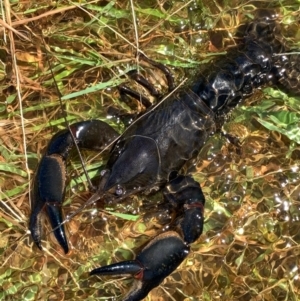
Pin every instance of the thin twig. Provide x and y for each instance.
(136, 33)
(7, 26)
(49, 13)
(18, 88)
(44, 15)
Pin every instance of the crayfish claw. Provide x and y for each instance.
(48, 195)
(54, 213)
(131, 267)
(49, 186)
(156, 261)
(35, 226)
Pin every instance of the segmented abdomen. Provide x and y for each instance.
(253, 64)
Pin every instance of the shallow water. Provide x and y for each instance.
(250, 246)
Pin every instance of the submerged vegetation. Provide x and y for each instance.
(250, 246)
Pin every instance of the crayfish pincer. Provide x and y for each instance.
(162, 141)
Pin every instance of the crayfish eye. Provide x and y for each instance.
(119, 190)
(103, 172)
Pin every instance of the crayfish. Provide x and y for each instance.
(151, 152)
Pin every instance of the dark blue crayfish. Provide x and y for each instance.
(152, 151)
